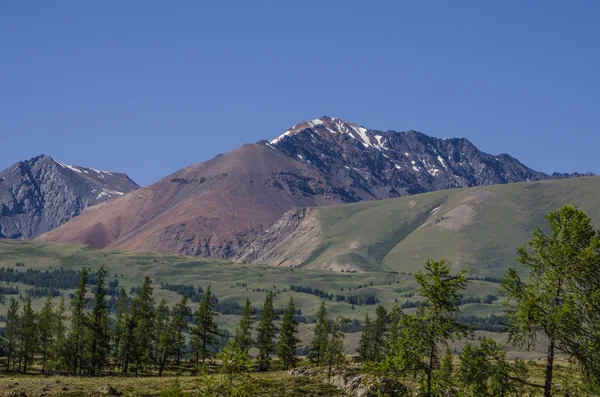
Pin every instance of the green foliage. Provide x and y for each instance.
(205, 333)
(561, 298)
(288, 341)
(12, 332)
(75, 341)
(98, 332)
(418, 337)
(235, 363)
(138, 336)
(318, 344)
(243, 332)
(334, 351)
(174, 391)
(47, 333)
(265, 340)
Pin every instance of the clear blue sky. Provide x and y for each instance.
(148, 87)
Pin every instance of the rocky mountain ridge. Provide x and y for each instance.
(218, 208)
(40, 194)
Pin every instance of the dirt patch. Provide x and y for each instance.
(284, 243)
(457, 218)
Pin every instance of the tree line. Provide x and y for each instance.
(142, 337)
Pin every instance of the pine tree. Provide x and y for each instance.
(234, 362)
(394, 329)
(318, 344)
(419, 336)
(47, 332)
(28, 334)
(205, 333)
(98, 332)
(334, 351)
(365, 344)
(243, 332)
(181, 312)
(288, 341)
(438, 317)
(119, 329)
(78, 324)
(380, 327)
(61, 356)
(265, 340)
(165, 335)
(141, 323)
(12, 331)
(561, 297)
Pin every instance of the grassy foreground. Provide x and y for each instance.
(275, 383)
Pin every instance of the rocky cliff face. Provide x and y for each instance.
(384, 164)
(41, 194)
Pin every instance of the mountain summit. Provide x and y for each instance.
(218, 207)
(40, 194)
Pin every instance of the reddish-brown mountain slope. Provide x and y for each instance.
(208, 209)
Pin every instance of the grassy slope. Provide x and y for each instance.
(132, 266)
(400, 234)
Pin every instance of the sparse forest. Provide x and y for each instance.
(101, 330)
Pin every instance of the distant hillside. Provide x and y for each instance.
(479, 227)
(219, 207)
(41, 194)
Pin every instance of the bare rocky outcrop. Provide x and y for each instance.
(109, 391)
(355, 384)
(284, 243)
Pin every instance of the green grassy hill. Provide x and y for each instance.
(479, 228)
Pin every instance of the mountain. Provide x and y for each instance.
(479, 228)
(217, 208)
(41, 194)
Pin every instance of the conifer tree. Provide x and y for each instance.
(205, 333)
(61, 353)
(181, 313)
(141, 323)
(98, 332)
(318, 344)
(12, 332)
(235, 362)
(243, 332)
(365, 344)
(334, 351)
(119, 329)
(288, 341)
(28, 334)
(47, 333)
(165, 335)
(378, 335)
(394, 329)
(265, 340)
(561, 297)
(78, 324)
(416, 350)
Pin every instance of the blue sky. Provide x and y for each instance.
(148, 87)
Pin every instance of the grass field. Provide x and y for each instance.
(226, 280)
(275, 383)
(479, 228)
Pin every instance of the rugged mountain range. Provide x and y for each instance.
(218, 208)
(41, 194)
